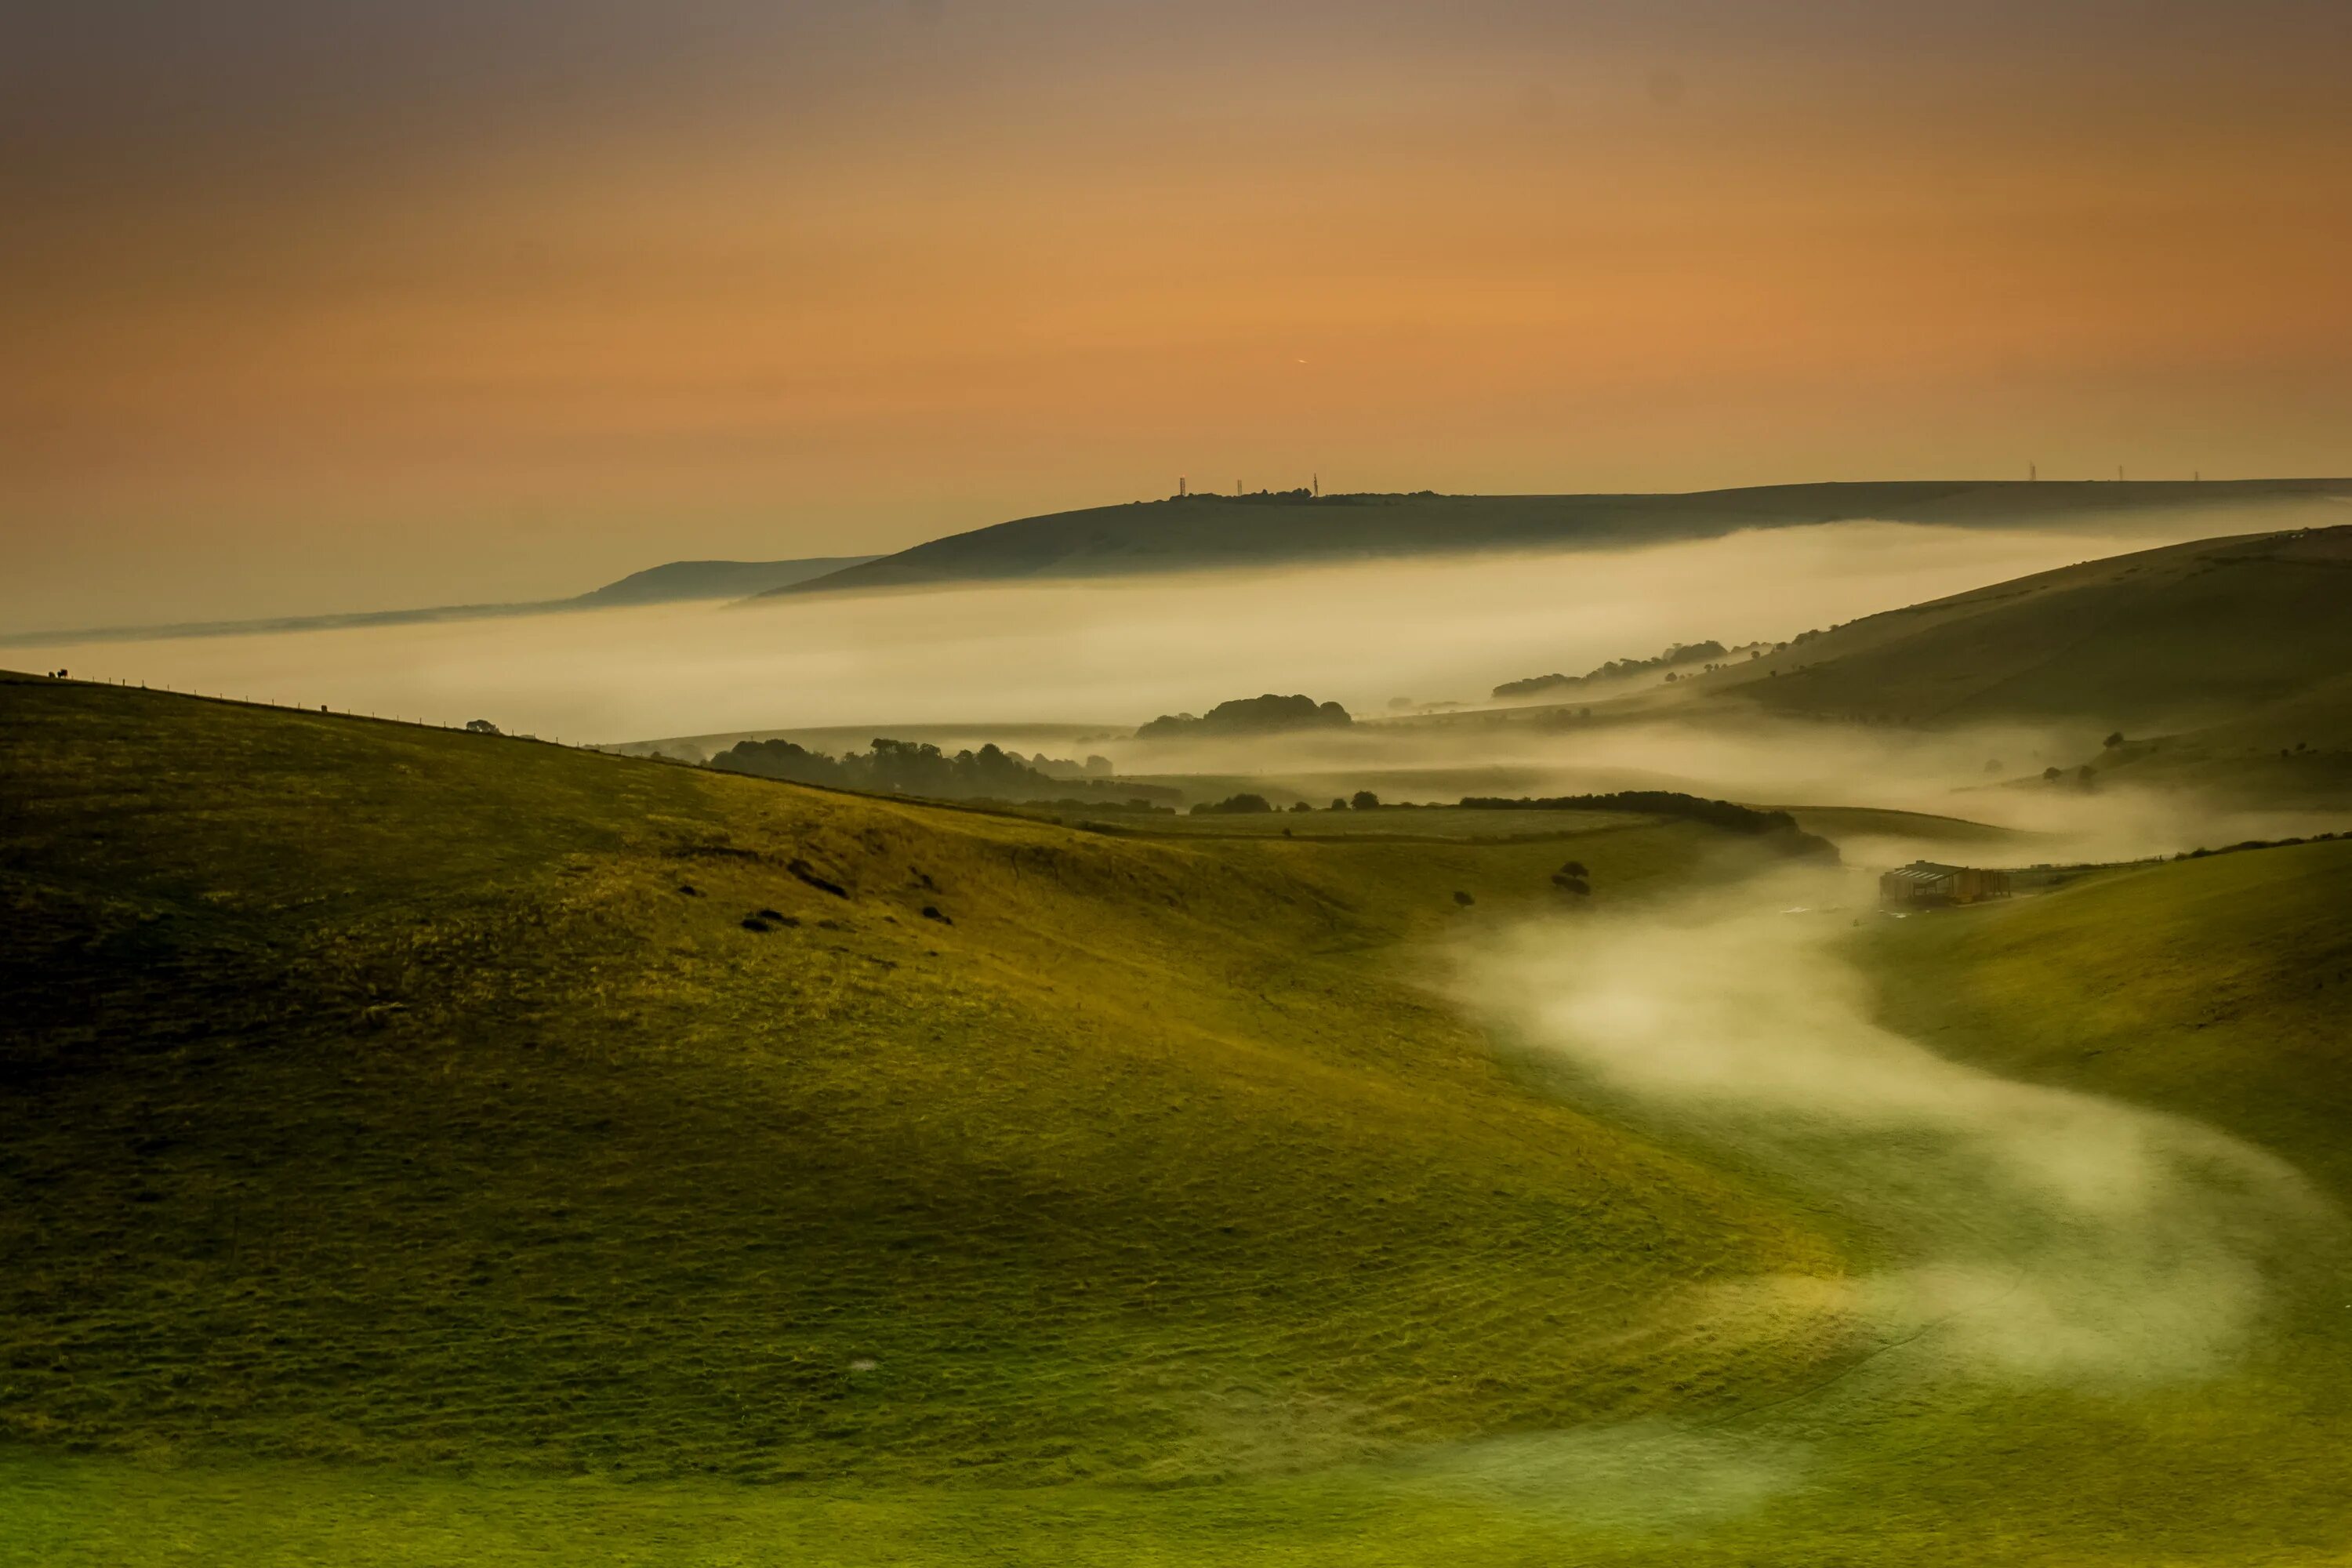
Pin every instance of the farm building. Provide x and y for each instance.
(1923, 884)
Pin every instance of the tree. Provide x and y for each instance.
(2114, 740)
(1233, 804)
(1364, 800)
(481, 727)
(1302, 805)
(1342, 805)
(2050, 775)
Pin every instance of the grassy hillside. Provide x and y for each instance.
(2219, 632)
(2218, 988)
(401, 1165)
(1211, 530)
(387, 1096)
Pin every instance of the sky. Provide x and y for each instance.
(317, 306)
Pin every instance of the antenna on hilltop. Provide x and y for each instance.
(2032, 472)
(1318, 487)
(1179, 486)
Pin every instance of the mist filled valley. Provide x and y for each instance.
(1424, 655)
(1330, 785)
(1099, 654)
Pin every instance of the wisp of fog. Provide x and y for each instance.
(2035, 1236)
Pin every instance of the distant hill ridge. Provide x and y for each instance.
(675, 581)
(1197, 532)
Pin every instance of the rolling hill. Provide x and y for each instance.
(661, 1123)
(2223, 668)
(2185, 637)
(419, 1147)
(1203, 531)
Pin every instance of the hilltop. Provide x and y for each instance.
(1200, 532)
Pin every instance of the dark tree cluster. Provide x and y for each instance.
(1233, 805)
(1721, 814)
(1264, 715)
(1654, 801)
(1616, 669)
(911, 767)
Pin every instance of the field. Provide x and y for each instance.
(1412, 823)
(421, 1148)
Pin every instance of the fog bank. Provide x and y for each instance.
(1108, 652)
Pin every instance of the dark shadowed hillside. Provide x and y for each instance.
(2218, 632)
(1203, 531)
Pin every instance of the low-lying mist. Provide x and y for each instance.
(2037, 1232)
(2024, 1237)
(1989, 774)
(1106, 652)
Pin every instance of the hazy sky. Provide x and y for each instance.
(318, 306)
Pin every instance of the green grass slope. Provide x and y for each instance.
(379, 1096)
(2213, 633)
(400, 1166)
(1209, 531)
(2217, 989)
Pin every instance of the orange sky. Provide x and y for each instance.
(442, 301)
